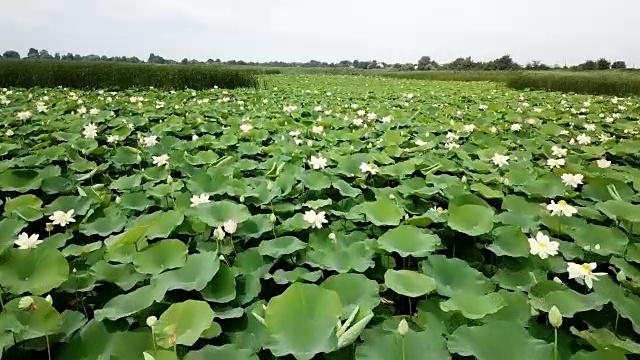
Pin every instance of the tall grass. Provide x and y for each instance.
(598, 83)
(109, 75)
(444, 75)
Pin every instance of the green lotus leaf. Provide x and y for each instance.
(183, 323)
(409, 283)
(20, 180)
(282, 277)
(474, 306)
(345, 253)
(603, 339)
(602, 240)
(498, 341)
(34, 271)
(130, 303)
(453, 275)
(470, 216)
(215, 214)
(620, 210)
(280, 246)
(222, 288)
(408, 240)
(379, 345)
(160, 256)
(509, 241)
(27, 207)
(195, 274)
(9, 229)
(355, 291)
(382, 212)
(302, 321)
(227, 352)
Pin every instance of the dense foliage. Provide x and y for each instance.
(106, 75)
(606, 83)
(326, 217)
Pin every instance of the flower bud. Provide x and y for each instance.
(621, 276)
(49, 299)
(272, 217)
(555, 317)
(403, 327)
(169, 179)
(230, 226)
(25, 303)
(152, 321)
(218, 233)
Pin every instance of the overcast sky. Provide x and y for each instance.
(554, 31)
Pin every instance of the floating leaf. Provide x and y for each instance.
(382, 212)
(408, 240)
(183, 323)
(409, 283)
(34, 271)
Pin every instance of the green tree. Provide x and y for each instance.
(603, 64)
(619, 65)
(11, 54)
(33, 54)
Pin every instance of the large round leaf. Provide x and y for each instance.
(302, 321)
(354, 290)
(160, 256)
(471, 219)
(183, 323)
(453, 275)
(217, 213)
(280, 246)
(379, 345)
(226, 352)
(20, 180)
(34, 271)
(222, 288)
(408, 240)
(409, 283)
(474, 306)
(382, 212)
(498, 341)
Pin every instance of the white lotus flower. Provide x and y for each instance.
(530, 121)
(218, 233)
(197, 200)
(24, 115)
(558, 151)
(451, 145)
(561, 208)
(162, 160)
(82, 110)
(386, 119)
(316, 220)
(246, 127)
(555, 163)
(358, 122)
(572, 180)
(603, 163)
(493, 129)
(90, 131)
(420, 142)
(369, 168)
(42, 108)
(94, 111)
(500, 160)
(113, 138)
(583, 273)
(26, 241)
(9, 133)
(149, 141)
(563, 132)
(483, 107)
(317, 162)
(542, 246)
(294, 133)
(317, 129)
(317, 108)
(469, 128)
(159, 104)
(230, 226)
(583, 139)
(361, 112)
(298, 141)
(26, 302)
(62, 218)
(590, 127)
(451, 136)
(372, 116)
(194, 137)
(516, 127)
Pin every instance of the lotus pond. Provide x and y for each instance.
(325, 217)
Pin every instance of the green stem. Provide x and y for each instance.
(48, 346)
(555, 344)
(559, 225)
(155, 346)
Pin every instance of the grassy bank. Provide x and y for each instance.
(109, 75)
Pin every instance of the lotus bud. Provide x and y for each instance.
(332, 237)
(152, 321)
(557, 279)
(230, 226)
(242, 198)
(621, 276)
(270, 186)
(555, 317)
(463, 179)
(403, 327)
(49, 299)
(272, 217)
(48, 227)
(392, 197)
(169, 179)
(118, 199)
(218, 233)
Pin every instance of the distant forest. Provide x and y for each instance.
(424, 63)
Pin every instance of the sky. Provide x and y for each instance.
(552, 31)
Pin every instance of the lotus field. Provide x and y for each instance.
(324, 217)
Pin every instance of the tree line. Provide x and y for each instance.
(424, 63)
